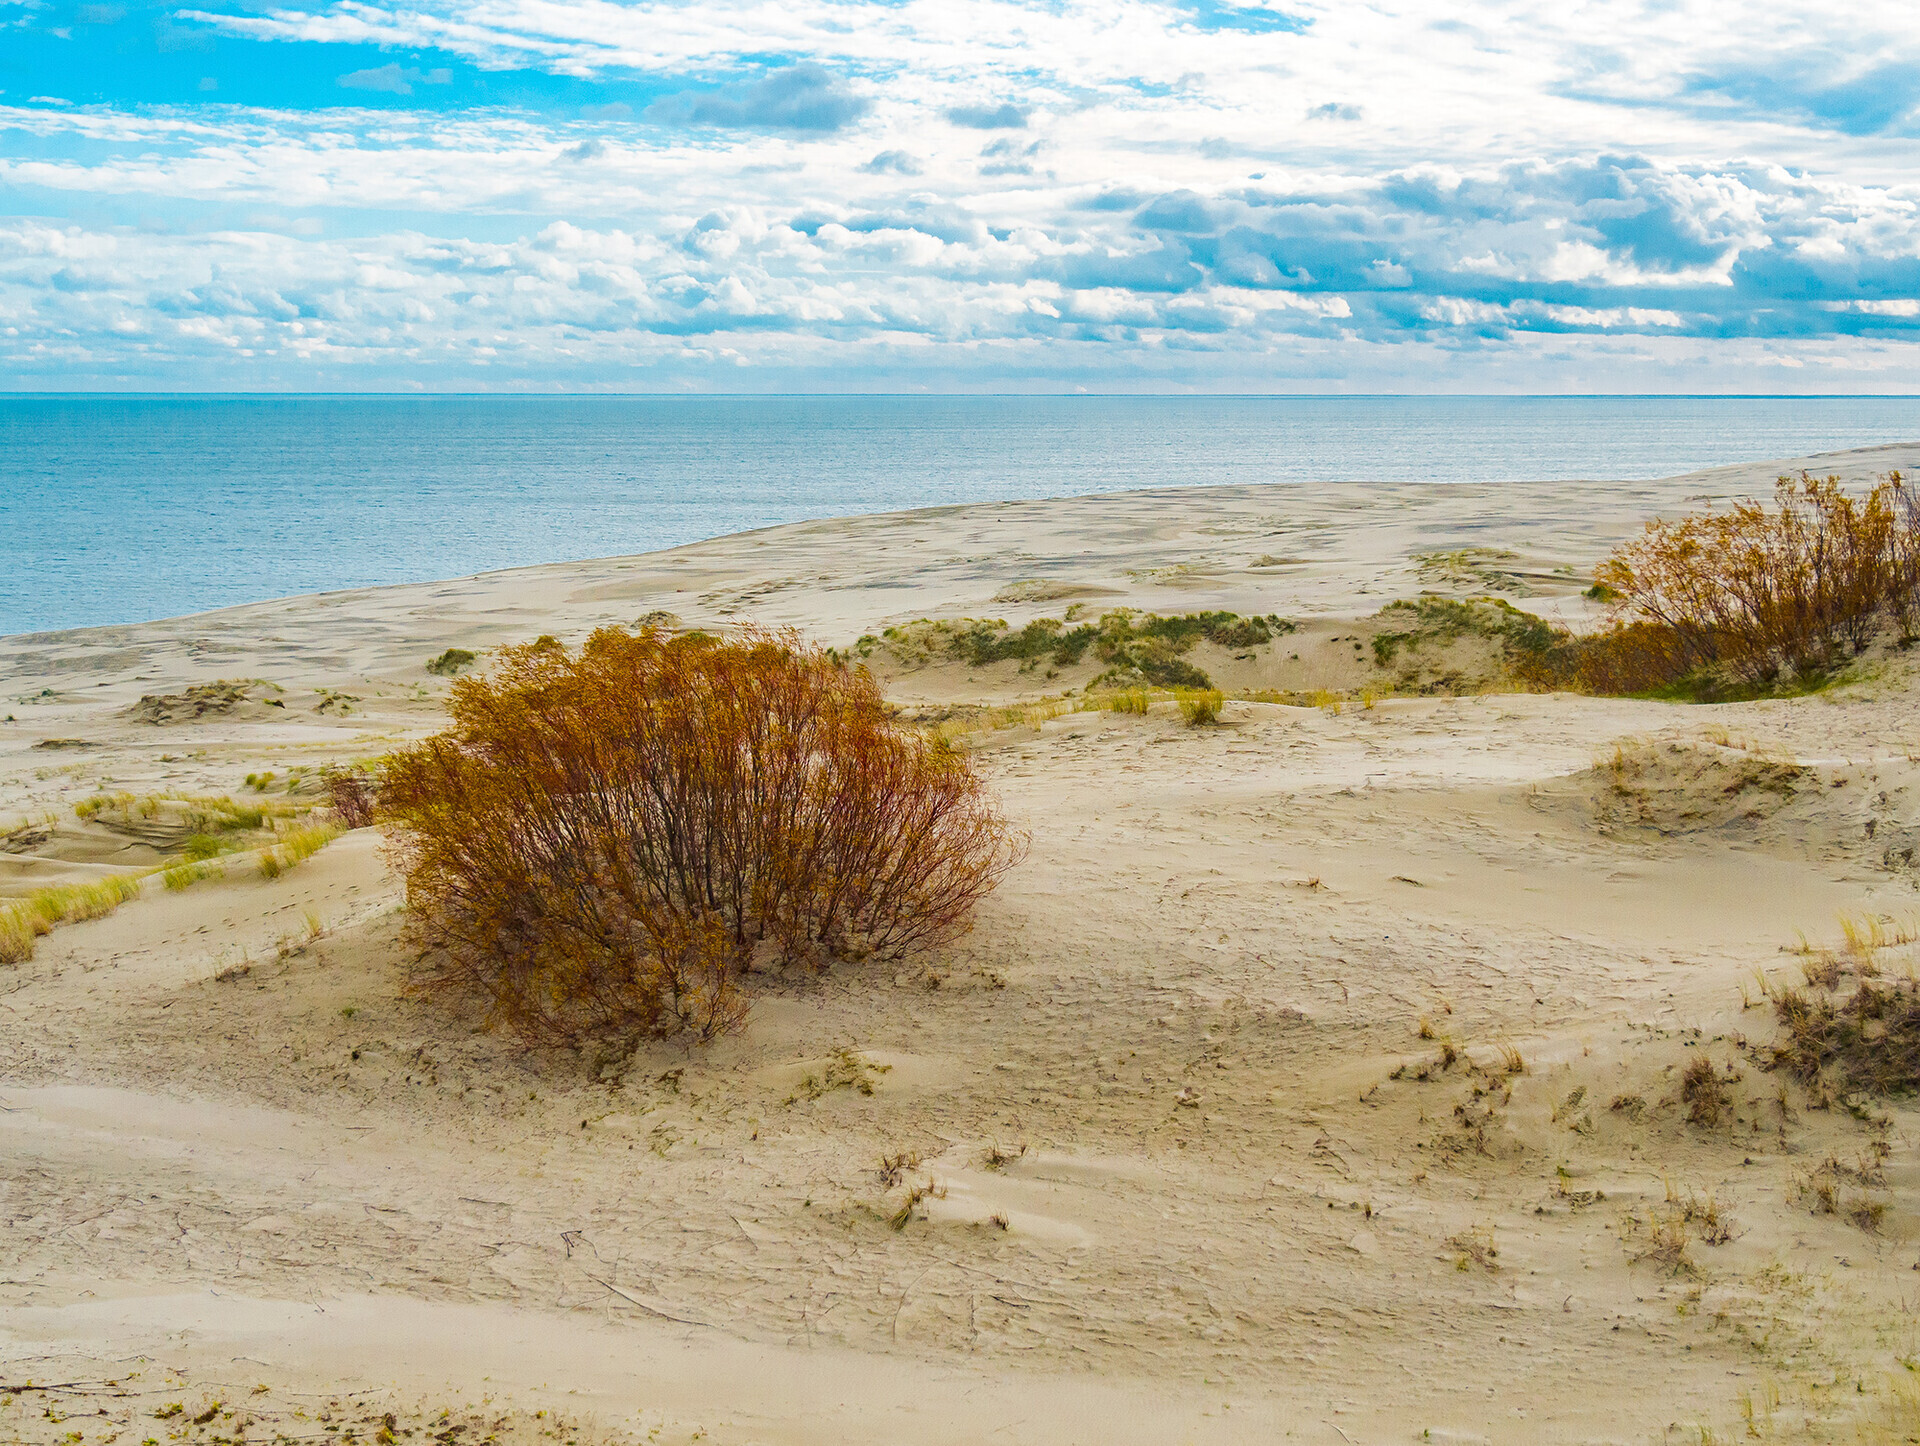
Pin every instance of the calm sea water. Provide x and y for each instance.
(122, 509)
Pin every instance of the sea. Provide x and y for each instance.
(120, 509)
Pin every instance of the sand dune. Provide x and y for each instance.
(1200, 1168)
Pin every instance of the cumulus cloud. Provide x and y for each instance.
(800, 98)
(897, 163)
(1005, 116)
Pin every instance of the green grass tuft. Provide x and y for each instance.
(295, 847)
(22, 921)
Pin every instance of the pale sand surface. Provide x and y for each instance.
(231, 1156)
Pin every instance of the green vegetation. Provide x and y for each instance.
(1202, 707)
(294, 847)
(22, 921)
(1431, 619)
(204, 814)
(185, 875)
(1136, 647)
(452, 661)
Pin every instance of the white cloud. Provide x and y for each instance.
(1008, 183)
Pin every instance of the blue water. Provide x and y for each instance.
(118, 509)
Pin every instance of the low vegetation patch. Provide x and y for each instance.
(23, 921)
(453, 661)
(1866, 1042)
(1526, 642)
(295, 847)
(1137, 647)
(605, 841)
(202, 700)
(202, 814)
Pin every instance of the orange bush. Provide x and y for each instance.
(1759, 591)
(603, 841)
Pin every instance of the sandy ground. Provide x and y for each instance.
(1194, 1166)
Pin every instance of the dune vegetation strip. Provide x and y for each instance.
(24, 921)
(1137, 647)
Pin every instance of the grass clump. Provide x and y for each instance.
(607, 839)
(295, 847)
(185, 875)
(23, 921)
(1202, 708)
(453, 661)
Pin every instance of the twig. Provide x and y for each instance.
(642, 1305)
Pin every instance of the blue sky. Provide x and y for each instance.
(959, 195)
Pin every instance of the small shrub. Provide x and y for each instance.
(606, 839)
(1202, 708)
(351, 797)
(451, 662)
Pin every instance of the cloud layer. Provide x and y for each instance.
(977, 194)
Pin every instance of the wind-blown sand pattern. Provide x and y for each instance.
(1199, 1169)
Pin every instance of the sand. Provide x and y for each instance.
(1197, 1170)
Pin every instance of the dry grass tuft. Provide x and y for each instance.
(1666, 1236)
(1705, 1215)
(606, 840)
(1869, 1042)
(1475, 1246)
(1705, 1094)
(1826, 1190)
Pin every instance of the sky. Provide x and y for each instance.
(960, 195)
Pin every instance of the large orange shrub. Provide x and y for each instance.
(1758, 592)
(604, 840)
